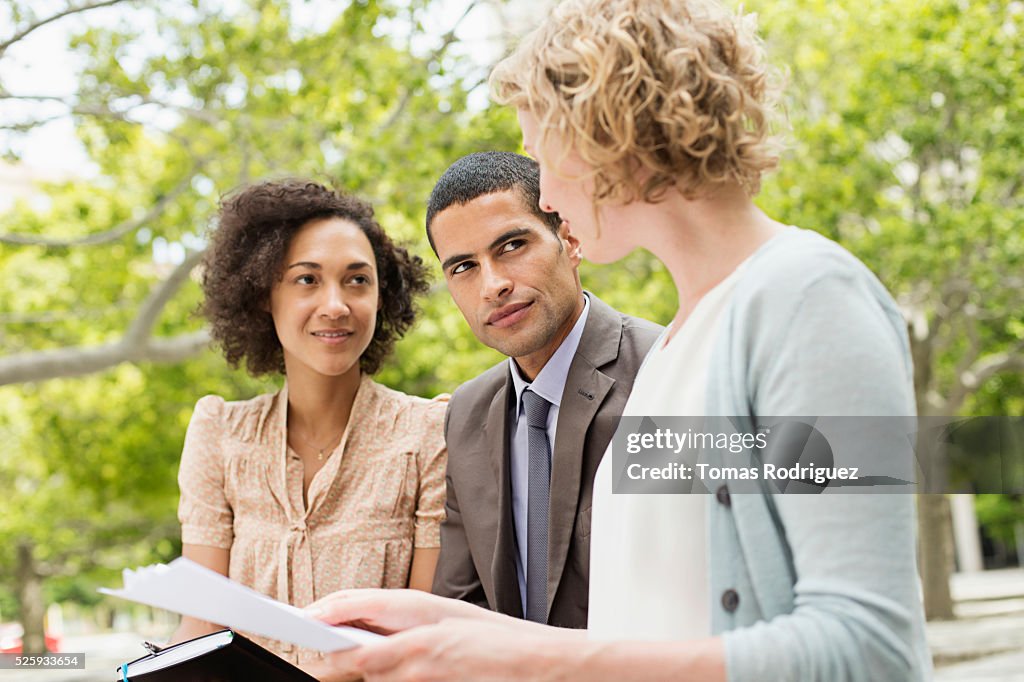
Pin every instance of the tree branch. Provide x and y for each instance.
(105, 111)
(68, 362)
(973, 352)
(137, 345)
(142, 326)
(199, 114)
(60, 15)
(446, 40)
(52, 316)
(113, 233)
(996, 363)
(26, 126)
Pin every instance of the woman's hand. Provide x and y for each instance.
(389, 611)
(437, 638)
(467, 649)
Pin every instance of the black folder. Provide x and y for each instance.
(223, 656)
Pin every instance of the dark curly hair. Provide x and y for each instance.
(255, 226)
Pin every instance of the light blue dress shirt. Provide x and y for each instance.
(549, 384)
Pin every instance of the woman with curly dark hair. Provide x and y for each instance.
(335, 481)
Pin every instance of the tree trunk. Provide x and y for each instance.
(936, 555)
(29, 590)
(935, 529)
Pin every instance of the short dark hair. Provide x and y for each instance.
(246, 254)
(475, 175)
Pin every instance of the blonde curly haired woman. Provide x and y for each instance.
(650, 121)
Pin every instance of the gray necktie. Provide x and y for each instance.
(537, 507)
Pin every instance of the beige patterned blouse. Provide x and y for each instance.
(379, 494)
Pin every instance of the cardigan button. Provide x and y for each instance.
(722, 495)
(730, 600)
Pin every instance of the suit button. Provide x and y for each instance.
(722, 495)
(730, 600)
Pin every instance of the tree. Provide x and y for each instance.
(216, 108)
(88, 475)
(904, 151)
(175, 105)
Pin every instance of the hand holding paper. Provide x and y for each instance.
(187, 588)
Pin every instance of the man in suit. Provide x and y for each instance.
(525, 437)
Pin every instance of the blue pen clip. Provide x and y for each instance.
(124, 672)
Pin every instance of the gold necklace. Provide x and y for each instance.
(320, 450)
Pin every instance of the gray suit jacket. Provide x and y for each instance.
(478, 551)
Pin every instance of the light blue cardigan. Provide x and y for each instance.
(828, 587)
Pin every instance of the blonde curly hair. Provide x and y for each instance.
(677, 88)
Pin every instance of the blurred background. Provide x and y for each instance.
(123, 121)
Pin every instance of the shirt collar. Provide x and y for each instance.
(550, 381)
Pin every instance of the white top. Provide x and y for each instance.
(648, 553)
(548, 384)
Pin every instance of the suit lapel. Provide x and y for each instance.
(585, 391)
(583, 396)
(503, 569)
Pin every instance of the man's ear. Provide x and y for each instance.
(572, 244)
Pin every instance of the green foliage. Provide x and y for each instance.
(1002, 516)
(189, 102)
(89, 473)
(902, 150)
(904, 145)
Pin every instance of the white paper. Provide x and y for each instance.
(187, 588)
